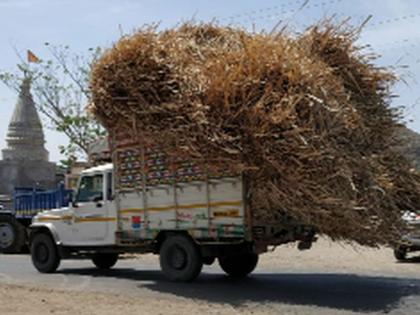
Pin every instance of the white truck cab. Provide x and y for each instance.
(91, 218)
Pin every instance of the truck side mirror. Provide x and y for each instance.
(97, 197)
(73, 201)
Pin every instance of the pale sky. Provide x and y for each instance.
(393, 32)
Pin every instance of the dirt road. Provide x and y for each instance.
(331, 278)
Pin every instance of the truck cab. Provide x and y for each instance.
(91, 217)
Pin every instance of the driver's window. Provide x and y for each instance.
(91, 188)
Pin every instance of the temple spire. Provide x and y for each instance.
(25, 137)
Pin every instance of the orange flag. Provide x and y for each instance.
(32, 57)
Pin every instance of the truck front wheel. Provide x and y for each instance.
(239, 266)
(12, 235)
(105, 260)
(44, 253)
(400, 253)
(180, 259)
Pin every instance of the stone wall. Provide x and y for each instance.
(26, 174)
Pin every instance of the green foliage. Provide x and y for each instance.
(60, 90)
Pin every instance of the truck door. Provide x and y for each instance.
(91, 213)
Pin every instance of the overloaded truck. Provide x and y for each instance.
(147, 202)
(25, 204)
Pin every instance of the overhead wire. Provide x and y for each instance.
(276, 11)
(259, 11)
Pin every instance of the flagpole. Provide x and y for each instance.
(31, 58)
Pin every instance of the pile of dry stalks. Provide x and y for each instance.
(306, 117)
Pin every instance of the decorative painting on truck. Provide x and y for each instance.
(160, 192)
(212, 209)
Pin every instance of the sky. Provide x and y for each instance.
(393, 32)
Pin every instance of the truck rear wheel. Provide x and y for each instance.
(12, 235)
(105, 260)
(239, 266)
(180, 259)
(44, 253)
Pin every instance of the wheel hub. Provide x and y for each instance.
(42, 253)
(178, 258)
(7, 235)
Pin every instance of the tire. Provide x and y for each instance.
(12, 235)
(239, 266)
(105, 261)
(180, 259)
(44, 253)
(400, 253)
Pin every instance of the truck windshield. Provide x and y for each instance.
(90, 188)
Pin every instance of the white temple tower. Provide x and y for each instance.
(25, 160)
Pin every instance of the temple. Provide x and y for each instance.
(25, 160)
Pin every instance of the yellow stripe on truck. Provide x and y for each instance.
(190, 206)
(228, 213)
(76, 220)
(49, 218)
(98, 219)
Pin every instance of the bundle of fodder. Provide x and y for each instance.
(307, 118)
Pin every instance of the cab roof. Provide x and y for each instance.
(98, 169)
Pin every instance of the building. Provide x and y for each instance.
(99, 153)
(25, 160)
(73, 174)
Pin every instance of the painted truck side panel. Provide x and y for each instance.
(211, 209)
(193, 211)
(160, 208)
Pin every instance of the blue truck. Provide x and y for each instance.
(26, 203)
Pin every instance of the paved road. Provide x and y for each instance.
(333, 291)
